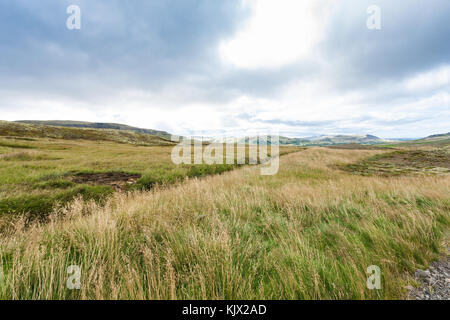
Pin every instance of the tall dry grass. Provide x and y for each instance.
(309, 232)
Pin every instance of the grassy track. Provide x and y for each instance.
(309, 232)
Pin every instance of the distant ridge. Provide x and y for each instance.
(443, 135)
(330, 140)
(96, 125)
(35, 130)
(345, 139)
(436, 139)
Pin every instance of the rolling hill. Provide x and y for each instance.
(438, 140)
(97, 125)
(445, 137)
(439, 136)
(19, 129)
(123, 133)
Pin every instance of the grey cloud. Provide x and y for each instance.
(145, 44)
(169, 48)
(413, 38)
(291, 123)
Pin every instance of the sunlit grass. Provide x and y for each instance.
(309, 232)
(36, 177)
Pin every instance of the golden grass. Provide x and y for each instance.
(44, 172)
(309, 232)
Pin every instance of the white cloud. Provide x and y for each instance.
(429, 80)
(301, 67)
(277, 34)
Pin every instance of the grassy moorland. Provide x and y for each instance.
(98, 125)
(42, 167)
(309, 232)
(27, 132)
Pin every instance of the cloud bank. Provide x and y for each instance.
(201, 67)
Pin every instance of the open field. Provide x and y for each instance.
(227, 155)
(38, 173)
(309, 232)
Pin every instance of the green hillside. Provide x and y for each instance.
(17, 129)
(97, 125)
(437, 140)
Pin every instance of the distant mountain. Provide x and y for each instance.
(97, 125)
(345, 139)
(115, 131)
(402, 139)
(254, 140)
(313, 141)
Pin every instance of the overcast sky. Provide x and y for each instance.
(235, 67)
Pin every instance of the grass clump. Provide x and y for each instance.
(26, 156)
(55, 184)
(15, 145)
(205, 170)
(38, 207)
(167, 177)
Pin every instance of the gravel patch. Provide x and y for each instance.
(435, 282)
